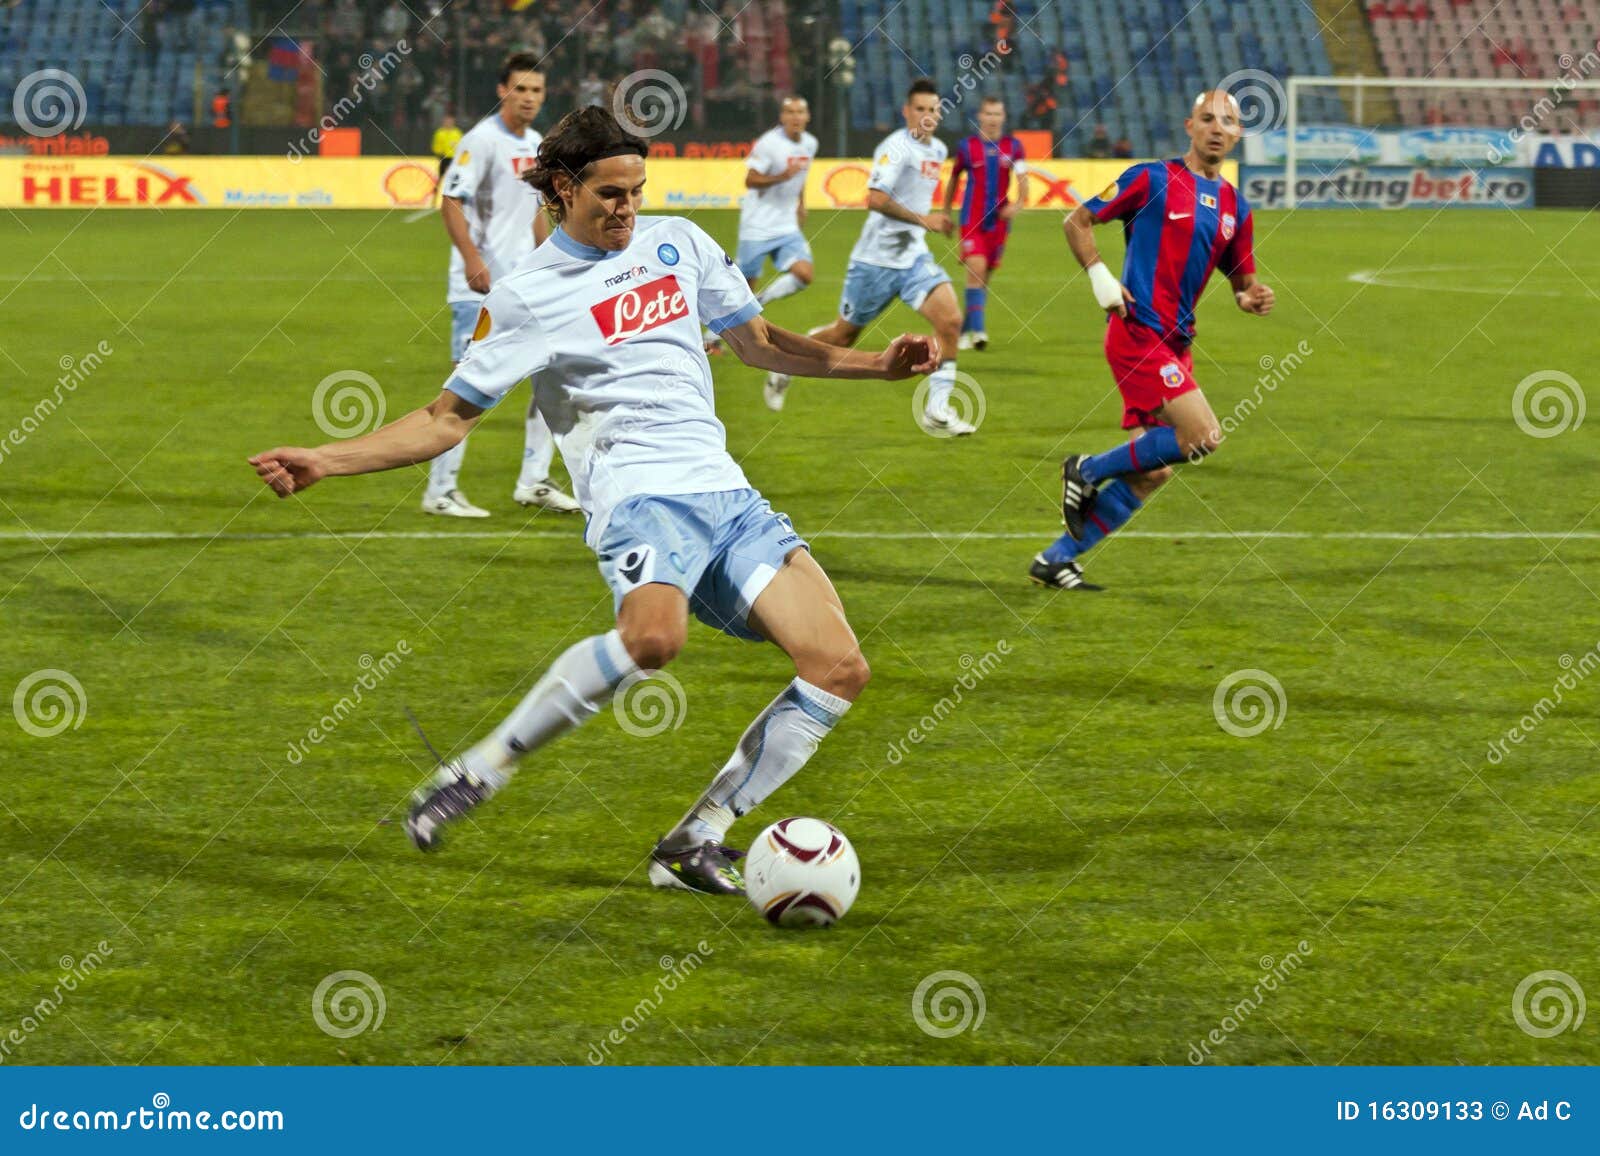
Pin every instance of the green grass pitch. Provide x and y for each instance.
(1126, 881)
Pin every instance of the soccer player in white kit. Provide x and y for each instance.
(772, 212)
(891, 257)
(605, 317)
(493, 219)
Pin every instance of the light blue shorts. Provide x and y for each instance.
(868, 289)
(784, 251)
(720, 549)
(463, 317)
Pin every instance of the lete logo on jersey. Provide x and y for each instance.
(660, 302)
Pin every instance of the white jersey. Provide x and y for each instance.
(486, 176)
(908, 170)
(771, 212)
(612, 344)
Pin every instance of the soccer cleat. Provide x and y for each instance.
(452, 504)
(545, 495)
(452, 794)
(1077, 495)
(708, 868)
(946, 423)
(980, 341)
(775, 390)
(964, 342)
(1061, 575)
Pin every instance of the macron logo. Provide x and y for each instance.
(629, 314)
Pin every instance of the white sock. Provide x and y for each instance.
(577, 685)
(538, 449)
(444, 469)
(940, 382)
(771, 750)
(785, 285)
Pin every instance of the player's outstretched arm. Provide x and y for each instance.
(763, 346)
(421, 435)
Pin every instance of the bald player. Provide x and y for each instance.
(1181, 220)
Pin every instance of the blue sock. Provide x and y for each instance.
(1151, 450)
(976, 300)
(1113, 506)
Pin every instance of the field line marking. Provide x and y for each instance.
(864, 535)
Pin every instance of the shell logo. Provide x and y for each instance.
(846, 186)
(408, 184)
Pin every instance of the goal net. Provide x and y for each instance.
(1407, 142)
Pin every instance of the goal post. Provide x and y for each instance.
(1552, 102)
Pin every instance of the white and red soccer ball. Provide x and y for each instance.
(802, 873)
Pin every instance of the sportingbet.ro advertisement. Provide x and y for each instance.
(1391, 187)
(676, 184)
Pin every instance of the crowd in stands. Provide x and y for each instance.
(737, 56)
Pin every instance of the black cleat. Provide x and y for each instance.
(1077, 495)
(452, 794)
(1061, 575)
(708, 868)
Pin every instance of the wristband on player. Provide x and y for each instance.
(1107, 289)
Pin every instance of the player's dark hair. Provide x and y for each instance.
(519, 62)
(921, 85)
(580, 138)
(992, 99)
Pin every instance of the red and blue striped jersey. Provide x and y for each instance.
(1179, 227)
(988, 165)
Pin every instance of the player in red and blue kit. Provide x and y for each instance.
(1181, 220)
(989, 158)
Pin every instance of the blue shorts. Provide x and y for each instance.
(463, 317)
(721, 549)
(868, 289)
(784, 251)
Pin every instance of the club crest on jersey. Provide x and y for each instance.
(481, 329)
(668, 254)
(1227, 226)
(1172, 375)
(1207, 200)
(649, 306)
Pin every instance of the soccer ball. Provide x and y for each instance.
(802, 873)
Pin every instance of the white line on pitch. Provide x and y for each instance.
(866, 535)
